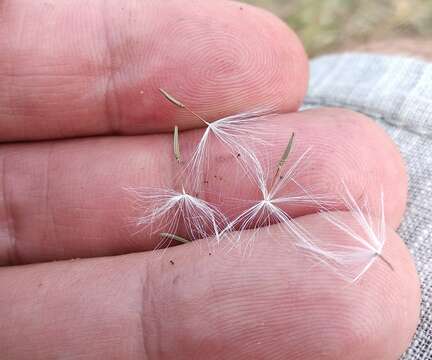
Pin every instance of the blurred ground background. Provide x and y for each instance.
(334, 25)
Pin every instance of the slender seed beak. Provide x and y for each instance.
(179, 104)
(174, 237)
(386, 261)
(177, 154)
(172, 99)
(283, 160)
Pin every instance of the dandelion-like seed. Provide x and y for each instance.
(234, 132)
(268, 209)
(168, 212)
(364, 236)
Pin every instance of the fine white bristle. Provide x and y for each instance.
(363, 234)
(268, 209)
(238, 134)
(167, 211)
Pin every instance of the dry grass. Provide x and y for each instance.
(326, 25)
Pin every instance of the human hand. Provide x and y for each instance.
(73, 75)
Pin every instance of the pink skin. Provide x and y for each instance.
(103, 78)
(273, 304)
(69, 201)
(72, 69)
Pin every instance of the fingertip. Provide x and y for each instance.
(223, 58)
(382, 150)
(376, 164)
(374, 317)
(277, 302)
(219, 57)
(385, 314)
(401, 292)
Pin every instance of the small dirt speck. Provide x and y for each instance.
(172, 262)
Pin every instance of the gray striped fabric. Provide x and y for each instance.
(397, 92)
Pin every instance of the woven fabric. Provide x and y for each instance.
(396, 92)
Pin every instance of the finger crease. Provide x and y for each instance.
(149, 330)
(112, 109)
(48, 207)
(12, 250)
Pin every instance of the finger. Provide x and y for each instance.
(275, 303)
(67, 199)
(104, 62)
